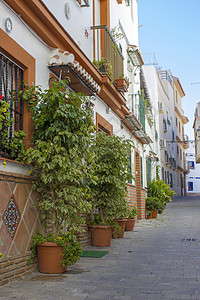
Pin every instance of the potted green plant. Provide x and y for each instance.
(108, 193)
(158, 188)
(152, 206)
(60, 157)
(122, 83)
(104, 66)
(130, 223)
(121, 220)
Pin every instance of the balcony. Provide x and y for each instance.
(137, 106)
(186, 167)
(135, 121)
(166, 158)
(106, 49)
(185, 142)
(173, 163)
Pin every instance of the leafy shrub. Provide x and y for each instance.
(111, 170)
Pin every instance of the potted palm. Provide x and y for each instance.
(130, 223)
(108, 193)
(59, 157)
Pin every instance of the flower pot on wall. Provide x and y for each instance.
(121, 84)
(101, 235)
(122, 224)
(130, 224)
(49, 258)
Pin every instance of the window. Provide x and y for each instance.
(163, 173)
(180, 154)
(190, 186)
(176, 97)
(173, 135)
(177, 150)
(11, 77)
(171, 180)
(141, 169)
(176, 122)
(179, 127)
(103, 125)
(164, 125)
(191, 164)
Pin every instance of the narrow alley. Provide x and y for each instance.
(159, 260)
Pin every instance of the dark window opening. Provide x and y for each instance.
(11, 78)
(190, 186)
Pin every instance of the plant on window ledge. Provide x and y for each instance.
(122, 83)
(104, 66)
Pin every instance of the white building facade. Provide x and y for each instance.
(193, 178)
(45, 40)
(167, 92)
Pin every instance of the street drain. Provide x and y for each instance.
(190, 240)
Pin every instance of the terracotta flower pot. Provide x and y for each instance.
(122, 224)
(149, 216)
(121, 84)
(154, 214)
(49, 258)
(130, 224)
(101, 235)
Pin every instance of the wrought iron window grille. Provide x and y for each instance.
(11, 82)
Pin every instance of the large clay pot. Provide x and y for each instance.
(149, 216)
(130, 223)
(154, 214)
(101, 235)
(122, 224)
(49, 258)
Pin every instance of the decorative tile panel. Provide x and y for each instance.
(11, 216)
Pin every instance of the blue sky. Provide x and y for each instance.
(171, 30)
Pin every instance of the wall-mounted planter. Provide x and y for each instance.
(121, 84)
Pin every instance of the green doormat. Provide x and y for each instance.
(95, 254)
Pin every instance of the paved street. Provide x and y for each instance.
(159, 260)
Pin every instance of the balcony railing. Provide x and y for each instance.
(185, 142)
(137, 106)
(142, 112)
(105, 47)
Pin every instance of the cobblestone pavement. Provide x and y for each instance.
(159, 260)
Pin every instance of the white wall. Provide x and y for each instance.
(194, 175)
(27, 40)
(81, 19)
